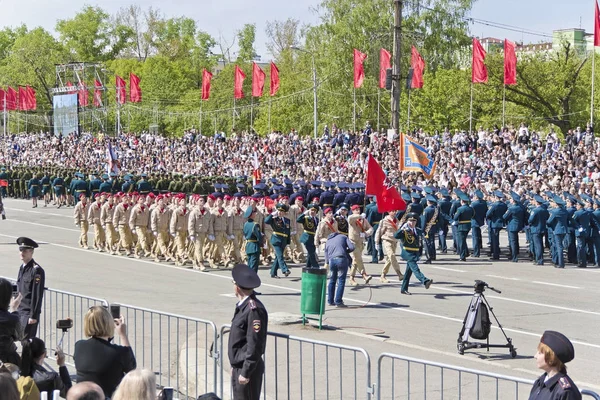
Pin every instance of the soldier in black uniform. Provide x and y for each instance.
(30, 283)
(248, 336)
(553, 352)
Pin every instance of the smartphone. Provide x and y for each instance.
(64, 323)
(167, 393)
(15, 290)
(115, 311)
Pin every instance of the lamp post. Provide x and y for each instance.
(314, 71)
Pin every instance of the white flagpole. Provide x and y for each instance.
(408, 122)
(503, 105)
(354, 116)
(471, 111)
(593, 75)
(5, 113)
(233, 116)
(200, 127)
(251, 114)
(378, 105)
(270, 100)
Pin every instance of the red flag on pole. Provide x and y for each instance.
(206, 77)
(31, 98)
(97, 93)
(274, 79)
(135, 92)
(23, 101)
(418, 65)
(238, 84)
(84, 100)
(121, 89)
(510, 63)
(388, 198)
(597, 26)
(359, 69)
(11, 99)
(2, 99)
(375, 177)
(384, 64)
(258, 80)
(479, 72)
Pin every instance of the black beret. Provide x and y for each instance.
(560, 345)
(245, 277)
(26, 243)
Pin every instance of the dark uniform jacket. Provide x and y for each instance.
(462, 217)
(30, 283)
(342, 224)
(253, 236)
(514, 218)
(559, 220)
(281, 230)
(495, 214)
(412, 248)
(559, 387)
(537, 220)
(10, 332)
(248, 336)
(480, 208)
(49, 381)
(310, 227)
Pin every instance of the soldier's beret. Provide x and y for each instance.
(355, 207)
(26, 243)
(300, 198)
(245, 277)
(327, 210)
(560, 345)
(248, 212)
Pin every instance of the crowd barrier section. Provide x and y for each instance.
(591, 394)
(177, 348)
(302, 368)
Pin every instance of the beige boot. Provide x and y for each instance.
(383, 279)
(352, 282)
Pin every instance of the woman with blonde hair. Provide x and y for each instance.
(97, 359)
(553, 352)
(139, 384)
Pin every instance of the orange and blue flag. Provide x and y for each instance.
(414, 157)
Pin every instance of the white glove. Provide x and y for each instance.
(362, 235)
(211, 238)
(580, 229)
(155, 233)
(363, 215)
(453, 223)
(172, 235)
(377, 247)
(193, 238)
(231, 237)
(274, 213)
(292, 232)
(77, 224)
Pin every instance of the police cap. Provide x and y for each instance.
(282, 207)
(245, 277)
(26, 243)
(412, 216)
(560, 345)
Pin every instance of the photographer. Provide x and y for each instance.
(34, 354)
(10, 327)
(97, 359)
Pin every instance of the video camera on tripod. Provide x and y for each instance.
(477, 323)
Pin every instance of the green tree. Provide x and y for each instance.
(246, 38)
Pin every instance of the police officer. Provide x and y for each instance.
(537, 224)
(429, 222)
(558, 221)
(462, 221)
(581, 222)
(30, 283)
(248, 336)
(553, 352)
(480, 208)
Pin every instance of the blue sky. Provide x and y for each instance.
(224, 17)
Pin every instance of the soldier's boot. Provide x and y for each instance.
(352, 282)
(366, 277)
(383, 279)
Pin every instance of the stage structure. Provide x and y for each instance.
(88, 82)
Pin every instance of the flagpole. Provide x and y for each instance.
(251, 114)
(378, 105)
(593, 75)
(504, 105)
(471, 111)
(5, 113)
(233, 117)
(270, 100)
(354, 116)
(200, 126)
(408, 122)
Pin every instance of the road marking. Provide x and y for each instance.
(227, 295)
(503, 277)
(401, 309)
(449, 269)
(38, 212)
(44, 225)
(556, 284)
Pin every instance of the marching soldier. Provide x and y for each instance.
(410, 236)
(327, 226)
(179, 230)
(558, 221)
(537, 224)
(581, 222)
(198, 228)
(106, 219)
(514, 218)
(159, 223)
(81, 220)
(34, 190)
(253, 237)
(495, 217)
(374, 218)
(309, 221)
(480, 209)
(59, 191)
(139, 221)
(359, 230)
(462, 221)
(219, 233)
(121, 223)
(94, 218)
(237, 221)
(280, 238)
(297, 210)
(385, 234)
(429, 222)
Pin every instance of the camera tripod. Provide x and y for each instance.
(463, 342)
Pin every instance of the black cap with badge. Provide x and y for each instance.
(245, 277)
(26, 243)
(560, 345)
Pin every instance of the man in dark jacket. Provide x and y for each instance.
(30, 284)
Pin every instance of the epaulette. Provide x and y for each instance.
(252, 304)
(564, 383)
(36, 265)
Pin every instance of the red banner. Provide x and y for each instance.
(274, 79)
(384, 64)
(97, 93)
(2, 99)
(258, 80)
(418, 65)
(375, 177)
(359, 69)
(23, 102)
(510, 63)
(596, 26)
(479, 72)
(121, 89)
(3, 183)
(31, 97)
(206, 77)
(135, 92)
(11, 99)
(238, 83)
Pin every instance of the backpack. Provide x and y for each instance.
(482, 324)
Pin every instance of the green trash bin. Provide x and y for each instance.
(312, 297)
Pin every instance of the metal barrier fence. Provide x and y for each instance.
(301, 368)
(177, 348)
(417, 378)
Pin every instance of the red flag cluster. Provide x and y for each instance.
(418, 66)
(258, 82)
(359, 69)
(479, 73)
(135, 92)
(23, 99)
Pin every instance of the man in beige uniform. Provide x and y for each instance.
(237, 227)
(179, 230)
(81, 219)
(106, 219)
(198, 226)
(139, 221)
(358, 230)
(159, 223)
(150, 204)
(385, 233)
(219, 231)
(327, 226)
(121, 224)
(94, 215)
(297, 230)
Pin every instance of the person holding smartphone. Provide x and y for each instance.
(11, 330)
(97, 359)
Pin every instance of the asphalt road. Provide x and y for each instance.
(379, 319)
